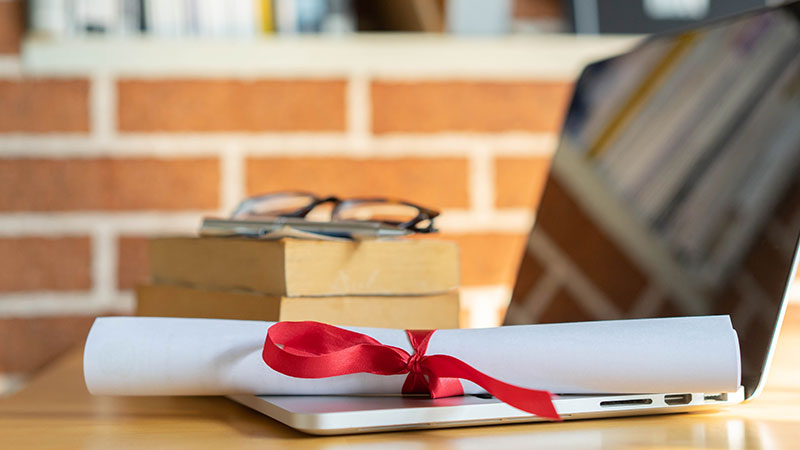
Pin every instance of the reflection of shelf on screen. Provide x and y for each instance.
(615, 216)
(680, 126)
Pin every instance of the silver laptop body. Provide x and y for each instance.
(367, 414)
(682, 156)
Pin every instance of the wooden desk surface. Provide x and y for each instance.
(56, 411)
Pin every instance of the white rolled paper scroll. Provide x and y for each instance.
(170, 356)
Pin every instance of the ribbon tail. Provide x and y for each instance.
(532, 401)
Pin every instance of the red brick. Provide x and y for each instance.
(231, 105)
(133, 265)
(477, 106)
(109, 184)
(44, 105)
(432, 182)
(43, 264)
(12, 24)
(519, 181)
(37, 341)
(488, 258)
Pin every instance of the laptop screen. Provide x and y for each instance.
(675, 189)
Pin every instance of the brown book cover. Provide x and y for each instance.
(296, 268)
(407, 312)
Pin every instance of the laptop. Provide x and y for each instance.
(673, 192)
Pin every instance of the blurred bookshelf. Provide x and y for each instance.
(513, 38)
(253, 18)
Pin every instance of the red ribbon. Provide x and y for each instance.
(318, 350)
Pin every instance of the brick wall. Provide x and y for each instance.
(96, 157)
(94, 160)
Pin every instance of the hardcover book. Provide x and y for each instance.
(296, 268)
(436, 311)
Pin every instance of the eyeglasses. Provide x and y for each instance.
(304, 205)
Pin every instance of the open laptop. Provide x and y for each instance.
(674, 191)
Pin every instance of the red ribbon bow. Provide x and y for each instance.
(318, 350)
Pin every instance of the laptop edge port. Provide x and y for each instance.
(723, 397)
(678, 399)
(638, 401)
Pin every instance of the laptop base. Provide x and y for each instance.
(330, 415)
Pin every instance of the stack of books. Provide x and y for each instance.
(404, 283)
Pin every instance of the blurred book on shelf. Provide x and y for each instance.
(400, 15)
(252, 18)
(172, 18)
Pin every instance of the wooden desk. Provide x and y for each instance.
(55, 411)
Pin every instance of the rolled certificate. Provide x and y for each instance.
(169, 356)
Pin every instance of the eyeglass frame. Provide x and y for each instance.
(423, 213)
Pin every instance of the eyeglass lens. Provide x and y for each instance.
(274, 205)
(378, 211)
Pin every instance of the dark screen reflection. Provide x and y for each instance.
(676, 186)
